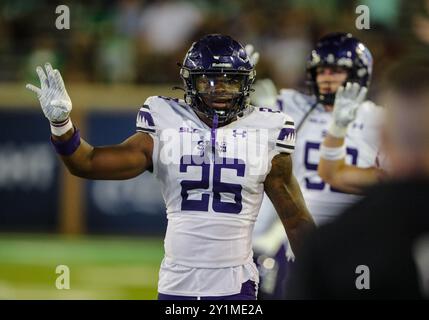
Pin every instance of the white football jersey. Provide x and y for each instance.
(212, 184)
(362, 141)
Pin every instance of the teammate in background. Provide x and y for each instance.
(332, 165)
(199, 149)
(378, 249)
(337, 59)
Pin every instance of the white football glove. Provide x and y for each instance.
(264, 94)
(52, 94)
(347, 101)
(252, 54)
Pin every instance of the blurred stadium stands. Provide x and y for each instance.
(132, 41)
(115, 55)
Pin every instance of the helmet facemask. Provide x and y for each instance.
(329, 97)
(220, 93)
(339, 50)
(217, 75)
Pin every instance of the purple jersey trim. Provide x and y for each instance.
(248, 292)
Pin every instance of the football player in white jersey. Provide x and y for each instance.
(337, 59)
(332, 165)
(214, 154)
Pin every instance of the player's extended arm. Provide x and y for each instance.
(342, 176)
(122, 161)
(332, 167)
(285, 194)
(117, 162)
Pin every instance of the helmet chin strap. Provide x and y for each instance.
(221, 116)
(213, 134)
(326, 99)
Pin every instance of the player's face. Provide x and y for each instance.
(219, 91)
(329, 79)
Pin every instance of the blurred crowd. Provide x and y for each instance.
(140, 42)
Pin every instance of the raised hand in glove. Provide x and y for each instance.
(53, 97)
(252, 54)
(347, 101)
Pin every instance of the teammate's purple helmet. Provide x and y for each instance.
(342, 50)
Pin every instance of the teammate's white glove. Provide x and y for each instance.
(252, 54)
(347, 101)
(264, 94)
(52, 94)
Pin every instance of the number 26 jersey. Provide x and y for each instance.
(212, 178)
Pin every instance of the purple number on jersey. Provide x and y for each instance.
(313, 166)
(235, 189)
(218, 186)
(195, 205)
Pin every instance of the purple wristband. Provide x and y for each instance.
(66, 148)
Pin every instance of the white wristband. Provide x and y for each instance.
(58, 129)
(332, 154)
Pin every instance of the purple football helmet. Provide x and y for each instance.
(217, 75)
(340, 50)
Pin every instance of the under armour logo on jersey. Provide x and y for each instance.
(237, 132)
(356, 125)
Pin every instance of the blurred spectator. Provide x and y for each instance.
(116, 58)
(153, 35)
(166, 25)
(420, 22)
(128, 17)
(44, 51)
(287, 57)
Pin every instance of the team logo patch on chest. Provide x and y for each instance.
(227, 145)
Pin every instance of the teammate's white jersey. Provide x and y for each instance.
(212, 184)
(362, 142)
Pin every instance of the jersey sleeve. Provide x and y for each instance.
(285, 142)
(154, 117)
(294, 104)
(146, 119)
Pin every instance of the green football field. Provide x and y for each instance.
(100, 267)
